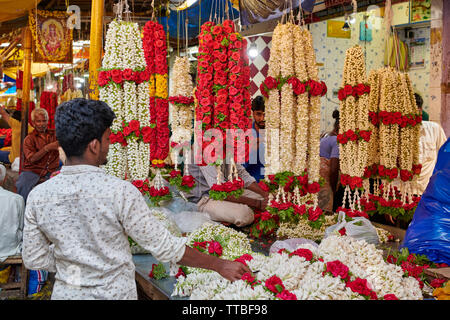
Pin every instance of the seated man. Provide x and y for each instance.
(15, 124)
(235, 211)
(255, 165)
(41, 155)
(11, 220)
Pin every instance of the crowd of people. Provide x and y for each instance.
(68, 216)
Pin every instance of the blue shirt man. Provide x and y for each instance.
(255, 165)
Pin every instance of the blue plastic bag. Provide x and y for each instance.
(36, 281)
(429, 231)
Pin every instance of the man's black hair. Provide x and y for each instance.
(258, 104)
(79, 121)
(335, 116)
(419, 100)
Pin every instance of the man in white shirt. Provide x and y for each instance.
(11, 220)
(77, 224)
(432, 137)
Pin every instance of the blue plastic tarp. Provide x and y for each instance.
(429, 231)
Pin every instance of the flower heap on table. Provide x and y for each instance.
(354, 134)
(181, 103)
(223, 103)
(292, 90)
(123, 82)
(339, 268)
(394, 156)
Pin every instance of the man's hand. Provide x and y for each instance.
(52, 146)
(232, 270)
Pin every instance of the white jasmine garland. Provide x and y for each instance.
(303, 278)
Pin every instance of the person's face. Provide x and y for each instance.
(104, 148)
(258, 116)
(40, 122)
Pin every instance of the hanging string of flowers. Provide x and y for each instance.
(122, 81)
(354, 134)
(223, 101)
(292, 90)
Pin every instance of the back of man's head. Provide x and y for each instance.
(419, 100)
(79, 121)
(2, 174)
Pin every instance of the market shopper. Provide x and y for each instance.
(255, 165)
(14, 121)
(329, 168)
(11, 220)
(77, 223)
(41, 155)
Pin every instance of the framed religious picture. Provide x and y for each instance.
(52, 38)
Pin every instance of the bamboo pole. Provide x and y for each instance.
(95, 49)
(26, 86)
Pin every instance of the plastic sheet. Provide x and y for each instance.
(359, 228)
(291, 244)
(429, 231)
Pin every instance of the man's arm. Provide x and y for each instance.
(37, 251)
(334, 173)
(140, 224)
(5, 115)
(34, 155)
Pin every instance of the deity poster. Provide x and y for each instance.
(52, 36)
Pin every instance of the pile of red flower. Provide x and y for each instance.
(8, 134)
(155, 195)
(184, 183)
(355, 91)
(313, 87)
(233, 188)
(214, 248)
(181, 101)
(120, 76)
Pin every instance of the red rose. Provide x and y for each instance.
(360, 89)
(134, 125)
(305, 253)
(286, 295)
(348, 90)
(338, 269)
(359, 286)
(390, 297)
(365, 135)
(351, 135)
(300, 210)
(342, 231)
(274, 284)
(341, 94)
(342, 138)
(138, 183)
(303, 180)
(188, 181)
(313, 187)
(116, 76)
(215, 248)
(216, 30)
(127, 131)
(313, 215)
(315, 88)
(271, 82)
(128, 74)
(266, 216)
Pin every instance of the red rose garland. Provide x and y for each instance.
(314, 88)
(155, 52)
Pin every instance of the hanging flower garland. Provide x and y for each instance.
(122, 80)
(292, 90)
(354, 134)
(155, 51)
(223, 102)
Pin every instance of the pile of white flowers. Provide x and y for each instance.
(302, 277)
